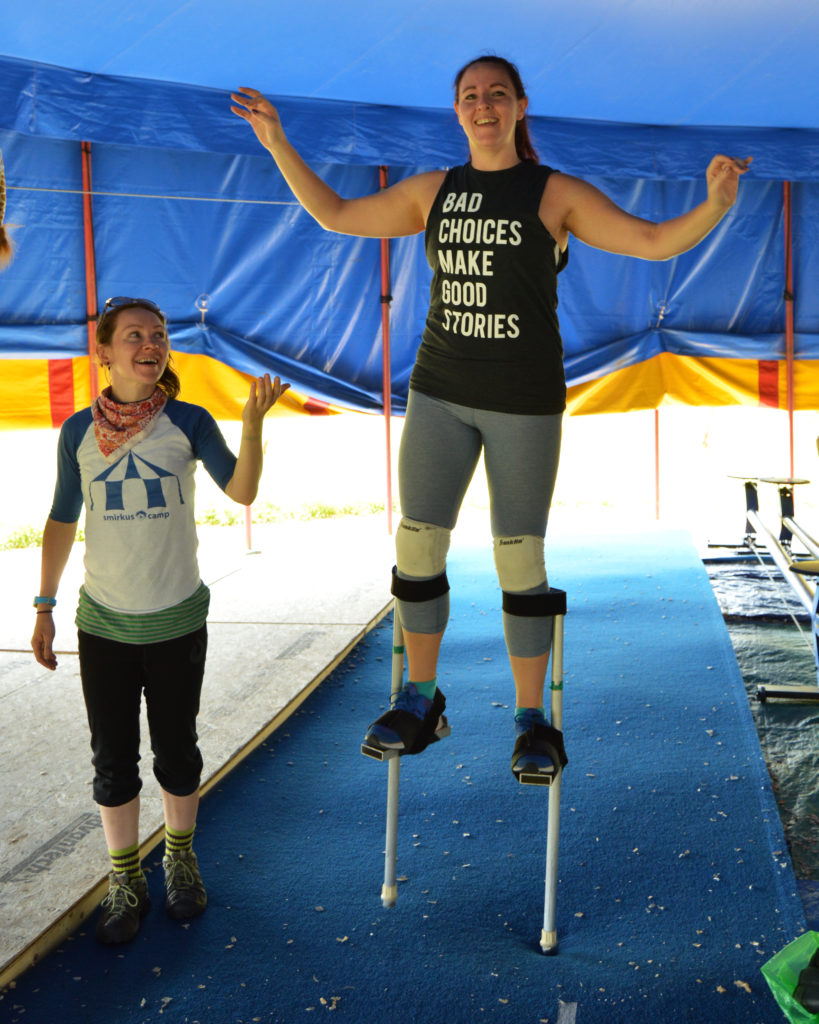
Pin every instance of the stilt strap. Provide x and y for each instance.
(537, 605)
(418, 590)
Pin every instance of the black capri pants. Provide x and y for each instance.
(114, 677)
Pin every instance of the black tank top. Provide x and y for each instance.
(492, 339)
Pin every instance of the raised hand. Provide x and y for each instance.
(260, 114)
(722, 178)
(264, 393)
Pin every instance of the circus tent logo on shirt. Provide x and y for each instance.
(150, 494)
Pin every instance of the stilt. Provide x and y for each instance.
(548, 935)
(389, 890)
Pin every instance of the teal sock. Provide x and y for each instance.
(428, 688)
(524, 716)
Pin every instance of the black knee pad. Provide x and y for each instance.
(535, 605)
(418, 590)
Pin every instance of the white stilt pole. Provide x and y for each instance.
(389, 890)
(548, 936)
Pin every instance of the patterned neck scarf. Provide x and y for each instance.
(120, 423)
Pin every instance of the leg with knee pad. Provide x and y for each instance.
(419, 578)
(520, 562)
(527, 622)
(421, 548)
(527, 618)
(424, 604)
(418, 591)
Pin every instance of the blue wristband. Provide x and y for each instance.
(50, 601)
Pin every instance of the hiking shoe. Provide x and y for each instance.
(122, 909)
(411, 724)
(185, 894)
(539, 746)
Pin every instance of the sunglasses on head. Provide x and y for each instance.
(122, 301)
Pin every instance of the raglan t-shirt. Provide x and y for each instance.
(142, 579)
(492, 337)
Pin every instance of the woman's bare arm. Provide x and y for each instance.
(572, 206)
(401, 209)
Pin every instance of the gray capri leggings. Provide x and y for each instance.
(440, 447)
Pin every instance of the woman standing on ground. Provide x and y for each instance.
(489, 372)
(141, 617)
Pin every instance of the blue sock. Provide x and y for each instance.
(428, 688)
(525, 718)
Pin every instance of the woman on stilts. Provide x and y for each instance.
(489, 372)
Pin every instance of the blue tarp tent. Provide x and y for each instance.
(187, 209)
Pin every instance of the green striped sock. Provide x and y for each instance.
(176, 842)
(126, 861)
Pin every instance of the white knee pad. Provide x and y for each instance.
(520, 562)
(421, 548)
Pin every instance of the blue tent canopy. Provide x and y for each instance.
(189, 210)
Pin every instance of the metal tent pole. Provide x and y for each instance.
(789, 311)
(386, 299)
(90, 270)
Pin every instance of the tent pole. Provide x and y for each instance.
(789, 311)
(386, 299)
(90, 270)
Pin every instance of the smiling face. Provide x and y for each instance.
(136, 355)
(488, 108)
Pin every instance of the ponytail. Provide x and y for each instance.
(169, 382)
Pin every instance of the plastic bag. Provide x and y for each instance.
(782, 974)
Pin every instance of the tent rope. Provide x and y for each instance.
(139, 195)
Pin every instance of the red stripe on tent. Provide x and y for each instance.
(60, 390)
(769, 383)
(315, 407)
